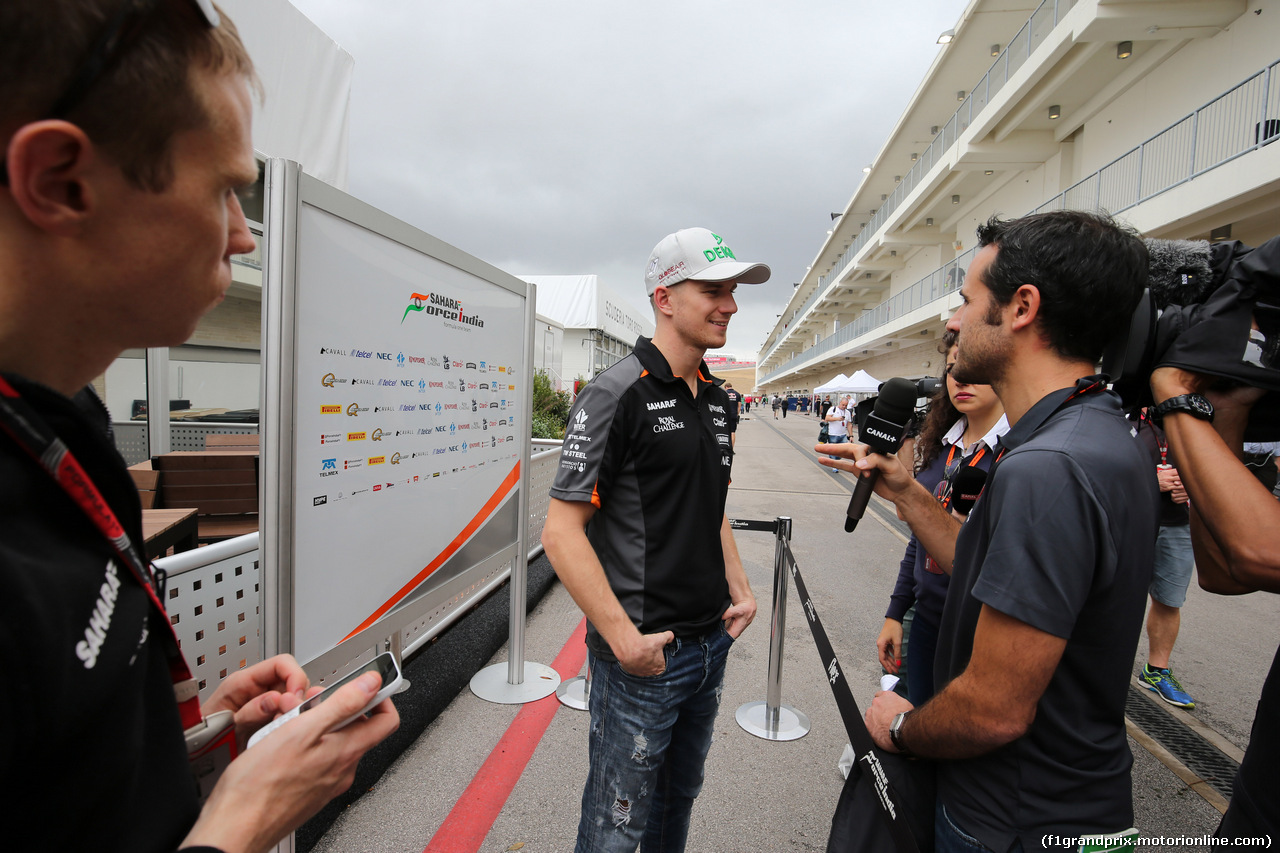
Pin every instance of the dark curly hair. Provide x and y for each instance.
(941, 416)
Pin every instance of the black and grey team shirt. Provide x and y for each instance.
(655, 461)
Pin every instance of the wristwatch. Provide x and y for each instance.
(895, 735)
(1193, 404)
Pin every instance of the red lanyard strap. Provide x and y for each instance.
(30, 433)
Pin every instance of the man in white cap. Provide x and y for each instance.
(632, 532)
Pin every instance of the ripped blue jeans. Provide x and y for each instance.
(648, 741)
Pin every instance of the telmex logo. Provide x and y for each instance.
(328, 380)
(330, 410)
(377, 435)
(355, 436)
(395, 459)
(377, 460)
(329, 464)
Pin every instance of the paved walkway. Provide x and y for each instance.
(502, 783)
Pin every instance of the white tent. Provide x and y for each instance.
(307, 78)
(860, 383)
(832, 386)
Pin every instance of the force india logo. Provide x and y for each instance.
(443, 307)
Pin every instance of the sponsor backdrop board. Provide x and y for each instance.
(410, 418)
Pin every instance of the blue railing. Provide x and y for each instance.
(1031, 36)
(1242, 119)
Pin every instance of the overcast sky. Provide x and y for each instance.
(557, 138)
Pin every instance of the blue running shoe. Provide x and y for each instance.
(1166, 686)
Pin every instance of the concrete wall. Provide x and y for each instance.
(1190, 77)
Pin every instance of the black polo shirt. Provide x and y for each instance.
(655, 461)
(1063, 540)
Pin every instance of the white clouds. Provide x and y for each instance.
(569, 137)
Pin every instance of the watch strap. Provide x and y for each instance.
(1193, 404)
(895, 734)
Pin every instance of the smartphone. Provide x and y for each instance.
(384, 664)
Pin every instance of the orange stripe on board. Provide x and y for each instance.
(458, 541)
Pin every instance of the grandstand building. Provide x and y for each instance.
(1160, 113)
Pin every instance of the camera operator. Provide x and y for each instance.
(1233, 532)
(1051, 569)
(126, 135)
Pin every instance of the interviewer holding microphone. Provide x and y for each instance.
(1051, 570)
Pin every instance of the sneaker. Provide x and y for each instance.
(1163, 683)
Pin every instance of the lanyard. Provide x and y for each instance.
(1083, 386)
(30, 433)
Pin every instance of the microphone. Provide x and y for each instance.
(882, 432)
(966, 487)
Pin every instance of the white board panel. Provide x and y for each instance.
(409, 425)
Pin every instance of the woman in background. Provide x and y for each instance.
(960, 430)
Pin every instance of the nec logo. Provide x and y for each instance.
(385, 356)
(408, 383)
(665, 404)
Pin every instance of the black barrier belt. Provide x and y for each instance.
(748, 524)
(859, 737)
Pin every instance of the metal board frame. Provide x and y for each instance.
(288, 190)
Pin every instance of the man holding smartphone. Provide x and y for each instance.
(125, 131)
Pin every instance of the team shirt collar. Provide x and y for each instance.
(655, 363)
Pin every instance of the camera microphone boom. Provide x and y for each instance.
(883, 433)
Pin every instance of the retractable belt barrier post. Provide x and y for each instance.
(771, 719)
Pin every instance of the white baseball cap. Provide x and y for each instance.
(696, 253)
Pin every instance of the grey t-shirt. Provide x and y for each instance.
(1062, 539)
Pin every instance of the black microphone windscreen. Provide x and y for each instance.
(966, 487)
(1179, 272)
